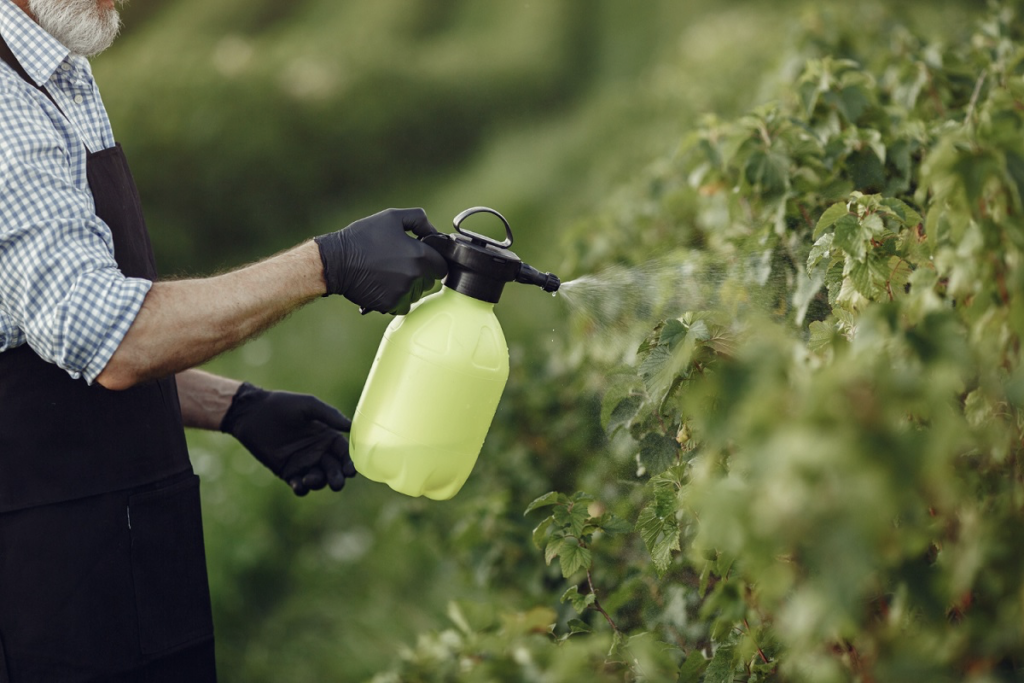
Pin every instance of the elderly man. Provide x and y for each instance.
(102, 571)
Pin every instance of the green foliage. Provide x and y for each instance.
(829, 458)
(827, 478)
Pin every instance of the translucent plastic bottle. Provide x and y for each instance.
(431, 396)
(435, 383)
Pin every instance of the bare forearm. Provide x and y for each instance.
(205, 398)
(187, 322)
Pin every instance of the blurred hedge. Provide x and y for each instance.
(812, 469)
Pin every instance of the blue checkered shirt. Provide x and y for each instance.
(60, 289)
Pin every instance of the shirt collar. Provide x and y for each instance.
(39, 53)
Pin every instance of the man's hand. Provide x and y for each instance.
(376, 265)
(297, 436)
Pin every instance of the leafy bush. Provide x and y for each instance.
(812, 467)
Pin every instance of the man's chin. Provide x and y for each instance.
(100, 45)
(91, 49)
(78, 25)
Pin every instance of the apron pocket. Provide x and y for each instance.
(169, 566)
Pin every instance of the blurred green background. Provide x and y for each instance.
(253, 125)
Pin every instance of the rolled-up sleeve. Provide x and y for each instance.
(60, 288)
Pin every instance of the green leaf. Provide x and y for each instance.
(899, 275)
(768, 171)
(851, 101)
(574, 558)
(849, 236)
(662, 368)
(555, 547)
(540, 532)
(672, 333)
(661, 551)
(776, 173)
(623, 413)
(658, 452)
(619, 640)
(860, 275)
(699, 331)
(550, 498)
(692, 667)
(873, 223)
(908, 216)
(622, 386)
(580, 602)
(655, 363)
(665, 488)
(583, 497)
(828, 219)
(808, 92)
(664, 362)
(834, 282)
(869, 276)
(572, 518)
(661, 536)
(821, 249)
(722, 665)
(578, 626)
(822, 334)
(652, 340)
(612, 524)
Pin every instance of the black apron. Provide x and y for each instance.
(102, 567)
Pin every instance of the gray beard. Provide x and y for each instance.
(80, 25)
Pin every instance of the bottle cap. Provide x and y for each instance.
(479, 266)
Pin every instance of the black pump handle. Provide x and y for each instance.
(476, 237)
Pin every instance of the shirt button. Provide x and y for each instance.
(78, 99)
(75, 375)
(65, 66)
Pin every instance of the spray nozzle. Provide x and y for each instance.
(479, 266)
(528, 275)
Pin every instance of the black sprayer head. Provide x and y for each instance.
(479, 266)
(529, 275)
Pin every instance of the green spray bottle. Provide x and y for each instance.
(435, 383)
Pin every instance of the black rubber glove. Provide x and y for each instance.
(297, 436)
(376, 265)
